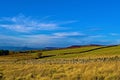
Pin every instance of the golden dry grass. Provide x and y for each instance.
(107, 70)
(101, 64)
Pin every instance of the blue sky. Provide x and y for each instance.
(43, 23)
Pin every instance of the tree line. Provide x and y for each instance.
(4, 52)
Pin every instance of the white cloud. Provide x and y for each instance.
(114, 34)
(53, 39)
(6, 40)
(26, 24)
(96, 36)
(40, 40)
(18, 28)
(67, 34)
(68, 22)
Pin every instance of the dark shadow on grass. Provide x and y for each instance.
(47, 56)
(79, 52)
(89, 50)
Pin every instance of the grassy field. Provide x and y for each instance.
(94, 51)
(85, 63)
(69, 50)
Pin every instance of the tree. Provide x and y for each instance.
(4, 52)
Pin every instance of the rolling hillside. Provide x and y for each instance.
(84, 63)
(90, 51)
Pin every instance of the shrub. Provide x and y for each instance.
(37, 55)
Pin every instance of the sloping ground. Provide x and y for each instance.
(108, 51)
(69, 51)
(86, 52)
(65, 65)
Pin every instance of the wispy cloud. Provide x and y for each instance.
(67, 22)
(37, 40)
(96, 36)
(54, 39)
(7, 40)
(94, 28)
(22, 23)
(68, 34)
(40, 40)
(37, 34)
(114, 34)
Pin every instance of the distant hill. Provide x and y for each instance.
(17, 48)
(46, 48)
(78, 46)
(51, 48)
(25, 48)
